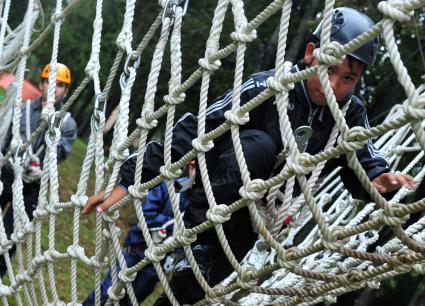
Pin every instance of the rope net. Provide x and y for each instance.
(331, 259)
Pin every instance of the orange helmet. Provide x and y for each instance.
(63, 73)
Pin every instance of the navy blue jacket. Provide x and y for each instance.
(301, 111)
(157, 211)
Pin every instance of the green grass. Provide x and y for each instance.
(69, 173)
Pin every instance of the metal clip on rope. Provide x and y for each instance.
(302, 134)
(170, 9)
(99, 108)
(55, 122)
(19, 153)
(133, 60)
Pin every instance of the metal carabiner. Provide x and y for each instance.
(99, 108)
(302, 134)
(99, 104)
(164, 10)
(132, 56)
(174, 4)
(186, 4)
(55, 122)
(18, 153)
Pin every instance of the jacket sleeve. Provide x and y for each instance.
(372, 161)
(68, 137)
(184, 131)
(154, 204)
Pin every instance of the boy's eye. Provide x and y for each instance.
(330, 69)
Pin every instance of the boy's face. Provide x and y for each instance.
(61, 90)
(343, 78)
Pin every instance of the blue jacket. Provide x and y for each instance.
(157, 211)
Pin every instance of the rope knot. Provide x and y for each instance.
(92, 69)
(136, 193)
(290, 265)
(390, 218)
(394, 10)
(170, 174)
(94, 262)
(235, 118)
(242, 37)
(202, 147)
(50, 255)
(355, 133)
(27, 229)
(146, 124)
(111, 217)
(79, 200)
(353, 276)
(113, 296)
(123, 41)
(23, 277)
(121, 156)
(57, 17)
(252, 190)
(350, 146)
(278, 86)
(38, 260)
(298, 168)
(153, 255)
(330, 240)
(413, 112)
(208, 66)
(245, 280)
(277, 83)
(174, 99)
(24, 51)
(51, 209)
(75, 251)
(285, 259)
(184, 238)
(405, 256)
(40, 213)
(328, 55)
(217, 214)
(127, 278)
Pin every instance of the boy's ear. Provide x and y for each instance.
(308, 54)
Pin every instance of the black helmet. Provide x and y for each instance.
(347, 24)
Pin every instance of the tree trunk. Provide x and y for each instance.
(297, 42)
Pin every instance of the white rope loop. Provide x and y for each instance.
(202, 147)
(206, 65)
(253, 190)
(394, 10)
(217, 214)
(146, 124)
(235, 118)
(244, 37)
(328, 55)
